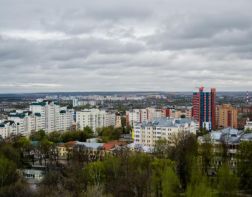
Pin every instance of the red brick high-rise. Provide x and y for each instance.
(213, 107)
(204, 107)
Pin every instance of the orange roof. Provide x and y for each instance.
(70, 143)
(111, 144)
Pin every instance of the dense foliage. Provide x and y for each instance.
(184, 168)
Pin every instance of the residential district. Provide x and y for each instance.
(52, 131)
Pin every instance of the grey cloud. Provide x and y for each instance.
(125, 45)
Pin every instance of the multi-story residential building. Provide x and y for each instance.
(52, 116)
(118, 120)
(27, 121)
(226, 116)
(177, 113)
(45, 115)
(153, 113)
(75, 102)
(49, 112)
(65, 119)
(204, 108)
(148, 132)
(141, 115)
(134, 116)
(94, 118)
(229, 137)
(8, 128)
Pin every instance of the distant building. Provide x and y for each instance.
(204, 107)
(8, 128)
(75, 102)
(248, 125)
(140, 115)
(64, 150)
(27, 121)
(148, 132)
(94, 118)
(33, 175)
(226, 116)
(231, 139)
(53, 117)
(177, 113)
(118, 120)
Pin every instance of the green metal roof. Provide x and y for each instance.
(21, 115)
(62, 111)
(39, 103)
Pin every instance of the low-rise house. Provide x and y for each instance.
(65, 149)
(111, 145)
(248, 125)
(227, 140)
(33, 175)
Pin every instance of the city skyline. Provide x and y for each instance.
(50, 46)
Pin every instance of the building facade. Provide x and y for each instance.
(94, 118)
(226, 116)
(118, 120)
(204, 108)
(26, 121)
(8, 128)
(177, 113)
(53, 117)
(140, 115)
(148, 132)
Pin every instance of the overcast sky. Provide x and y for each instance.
(125, 45)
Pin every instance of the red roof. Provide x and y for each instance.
(112, 144)
(70, 143)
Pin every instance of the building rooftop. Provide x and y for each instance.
(112, 144)
(228, 135)
(166, 122)
(247, 137)
(91, 145)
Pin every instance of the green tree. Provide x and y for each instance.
(88, 132)
(38, 135)
(17, 189)
(227, 181)
(7, 171)
(9, 152)
(95, 173)
(162, 148)
(22, 143)
(170, 182)
(206, 153)
(199, 185)
(54, 136)
(244, 166)
(109, 133)
(184, 151)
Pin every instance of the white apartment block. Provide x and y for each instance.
(94, 118)
(141, 115)
(26, 121)
(65, 119)
(53, 117)
(45, 115)
(148, 132)
(118, 120)
(8, 128)
(49, 112)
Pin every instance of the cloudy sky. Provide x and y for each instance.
(125, 45)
